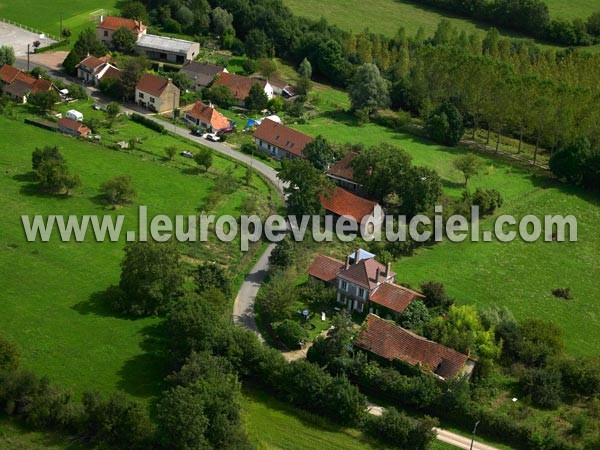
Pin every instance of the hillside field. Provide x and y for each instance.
(51, 292)
(518, 275)
(387, 16)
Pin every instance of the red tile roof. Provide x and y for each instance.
(343, 168)
(394, 297)
(114, 23)
(152, 84)
(240, 86)
(364, 273)
(74, 125)
(210, 115)
(112, 72)
(343, 203)
(285, 138)
(8, 73)
(41, 85)
(92, 63)
(392, 342)
(325, 268)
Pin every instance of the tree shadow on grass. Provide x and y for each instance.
(452, 184)
(258, 394)
(100, 304)
(32, 189)
(143, 375)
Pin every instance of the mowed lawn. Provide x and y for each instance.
(519, 275)
(49, 292)
(45, 15)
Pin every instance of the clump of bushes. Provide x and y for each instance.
(291, 333)
(148, 123)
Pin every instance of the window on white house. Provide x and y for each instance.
(141, 95)
(361, 293)
(343, 285)
(105, 33)
(152, 99)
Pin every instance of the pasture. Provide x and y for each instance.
(518, 275)
(51, 293)
(387, 16)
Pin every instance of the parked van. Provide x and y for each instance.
(73, 114)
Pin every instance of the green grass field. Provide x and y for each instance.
(45, 15)
(50, 291)
(387, 16)
(518, 275)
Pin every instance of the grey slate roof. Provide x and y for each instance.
(165, 44)
(201, 73)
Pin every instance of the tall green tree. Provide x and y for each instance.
(257, 98)
(306, 184)
(7, 55)
(124, 40)
(305, 69)
(469, 165)
(203, 158)
(151, 277)
(320, 153)
(368, 90)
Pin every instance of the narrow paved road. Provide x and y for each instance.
(243, 307)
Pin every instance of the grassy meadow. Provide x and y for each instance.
(387, 16)
(51, 292)
(518, 275)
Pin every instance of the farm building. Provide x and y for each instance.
(73, 128)
(393, 343)
(161, 48)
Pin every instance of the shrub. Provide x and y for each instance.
(398, 430)
(148, 123)
(291, 333)
(487, 200)
(435, 294)
(543, 385)
(9, 355)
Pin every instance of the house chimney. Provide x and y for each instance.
(388, 269)
(377, 276)
(357, 256)
(169, 80)
(347, 262)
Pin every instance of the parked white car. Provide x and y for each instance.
(211, 137)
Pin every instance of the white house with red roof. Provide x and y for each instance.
(92, 70)
(207, 117)
(363, 284)
(280, 141)
(110, 24)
